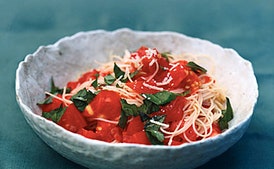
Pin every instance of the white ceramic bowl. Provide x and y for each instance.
(69, 57)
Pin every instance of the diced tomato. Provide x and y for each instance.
(72, 119)
(173, 125)
(163, 63)
(88, 75)
(103, 131)
(191, 82)
(85, 77)
(51, 106)
(116, 132)
(134, 132)
(174, 110)
(178, 74)
(138, 138)
(215, 130)
(134, 126)
(142, 51)
(150, 64)
(106, 105)
(72, 85)
(190, 134)
(138, 87)
(148, 69)
(87, 133)
(175, 141)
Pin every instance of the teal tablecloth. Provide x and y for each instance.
(246, 26)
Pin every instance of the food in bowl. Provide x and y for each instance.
(144, 97)
(71, 56)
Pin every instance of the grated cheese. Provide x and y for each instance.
(153, 87)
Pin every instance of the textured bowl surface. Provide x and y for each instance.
(69, 57)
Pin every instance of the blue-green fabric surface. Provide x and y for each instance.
(246, 26)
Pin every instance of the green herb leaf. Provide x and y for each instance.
(118, 72)
(54, 89)
(129, 109)
(134, 73)
(123, 120)
(82, 99)
(144, 117)
(196, 68)
(109, 79)
(132, 110)
(55, 115)
(149, 107)
(95, 83)
(166, 55)
(152, 130)
(185, 93)
(47, 100)
(160, 98)
(227, 116)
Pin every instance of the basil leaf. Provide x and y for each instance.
(160, 98)
(47, 100)
(166, 55)
(118, 72)
(155, 137)
(109, 79)
(144, 117)
(54, 89)
(122, 120)
(196, 68)
(152, 130)
(149, 107)
(133, 110)
(82, 99)
(133, 73)
(227, 116)
(129, 109)
(185, 93)
(55, 115)
(95, 83)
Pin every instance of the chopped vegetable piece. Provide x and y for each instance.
(160, 98)
(196, 68)
(72, 119)
(82, 99)
(95, 83)
(56, 114)
(129, 109)
(109, 79)
(118, 72)
(152, 130)
(227, 116)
